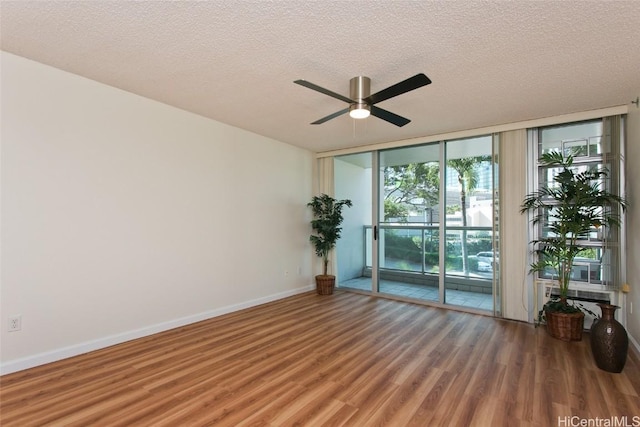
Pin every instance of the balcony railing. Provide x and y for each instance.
(415, 248)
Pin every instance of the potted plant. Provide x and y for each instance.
(571, 208)
(327, 217)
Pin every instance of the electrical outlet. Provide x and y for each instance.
(15, 323)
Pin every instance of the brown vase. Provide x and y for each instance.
(325, 284)
(609, 340)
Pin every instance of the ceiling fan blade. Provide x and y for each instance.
(323, 90)
(404, 86)
(330, 116)
(388, 116)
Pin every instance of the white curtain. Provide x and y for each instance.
(516, 284)
(324, 176)
(323, 183)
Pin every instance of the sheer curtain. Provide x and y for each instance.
(324, 182)
(514, 278)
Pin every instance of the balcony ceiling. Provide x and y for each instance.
(235, 62)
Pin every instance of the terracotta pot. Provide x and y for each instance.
(609, 340)
(325, 284)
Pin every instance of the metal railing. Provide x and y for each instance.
(415, 248)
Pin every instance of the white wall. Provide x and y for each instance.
(633, 223)
(122, 216)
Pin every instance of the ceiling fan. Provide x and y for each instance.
(361, 103)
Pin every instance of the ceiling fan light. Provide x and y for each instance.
(359, 111)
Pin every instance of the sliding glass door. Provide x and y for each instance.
(470, 259)
(423, 223)
(409, 198)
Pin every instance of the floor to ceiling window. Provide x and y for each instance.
(470, 260)
(415, 195)
(409, 222)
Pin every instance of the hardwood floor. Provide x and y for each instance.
(310, 360)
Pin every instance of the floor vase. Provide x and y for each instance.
(609, 341)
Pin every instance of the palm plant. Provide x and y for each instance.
(575, 205)
(327, 217)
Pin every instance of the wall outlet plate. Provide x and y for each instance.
(15, 323)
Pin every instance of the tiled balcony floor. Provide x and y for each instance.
(454, 297)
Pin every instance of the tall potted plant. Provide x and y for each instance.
(327, 218)
(571, 208)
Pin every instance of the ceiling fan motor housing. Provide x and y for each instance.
(359, 89)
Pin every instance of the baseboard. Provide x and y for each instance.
(635, 346)
(85, 347)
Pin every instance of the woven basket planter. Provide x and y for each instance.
(325, 284)
(565, 326)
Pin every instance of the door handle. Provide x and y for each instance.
(375, 232)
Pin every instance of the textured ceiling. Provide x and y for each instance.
(235, 61)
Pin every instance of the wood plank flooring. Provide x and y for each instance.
(341, 360)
